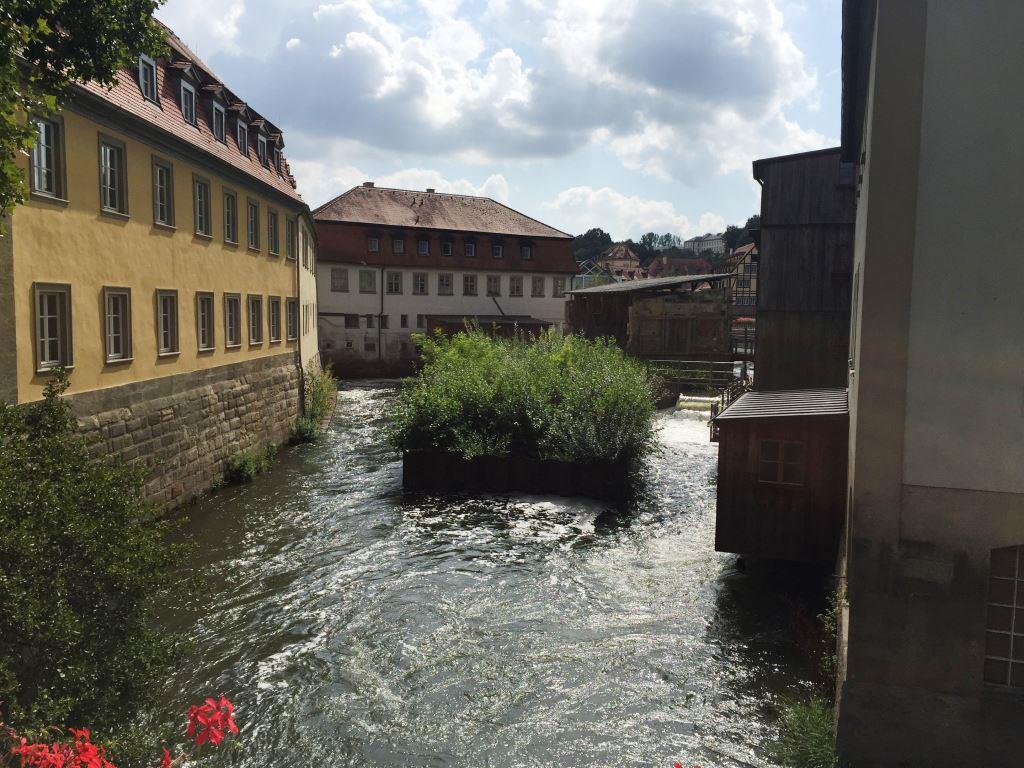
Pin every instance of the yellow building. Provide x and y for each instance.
(165, 258)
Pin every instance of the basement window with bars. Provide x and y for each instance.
(1004, 625)
(781, 462)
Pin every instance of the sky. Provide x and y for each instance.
(629, 115)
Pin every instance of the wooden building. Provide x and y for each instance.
(804, 271)
(782, 447)
(683, 318)
(782, 474)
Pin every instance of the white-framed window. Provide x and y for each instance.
(242, 137)
(339, 280)
(497, 251)
(202, 206)
(494, 285)
(781, 461)
(204, 321)
(293, 319)
(53, 325)
(419, 284)
(117, 317)
(469, 285)
(272, 233)
(261, 148)
(394, 285)
(537, 286)
(230, 217)
(274, 318)
(219, 122)
(188, 102)
(367, 281)
(255, 319)
(167, 322)
(423, 247)
(373, 244)
(1004, 624)
(447, 248)
(47, 174)
(289, 238)
(147, 77)
(750, 269)
(470, 250)
(252, 218)
(232, 320)
(515, 285)
(397, 245)
(113, 194)
(445, 284)
(558, 287)
(163, 192)
(526, 252)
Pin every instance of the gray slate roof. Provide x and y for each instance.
(788, 402)
(650, 284)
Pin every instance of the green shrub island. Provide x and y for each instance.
(554, 397)
(243, 466)
(320, 389)
(81, 565)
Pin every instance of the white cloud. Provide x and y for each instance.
(711, 222)
(577, 209)
(293, 42)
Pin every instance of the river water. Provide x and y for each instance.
(355, 626)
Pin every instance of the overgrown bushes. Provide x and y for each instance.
(558, 397)
(80, 568)
(807, 738)
(320, 389)
(243, 466)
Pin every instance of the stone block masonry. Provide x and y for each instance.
(183, 428)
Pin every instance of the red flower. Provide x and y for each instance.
(208, 721)
(166, 761)
(82, 753)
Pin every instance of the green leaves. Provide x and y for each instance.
(45, 47)
(80, 567)
(559, 397)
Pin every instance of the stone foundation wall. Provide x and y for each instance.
(184, 428)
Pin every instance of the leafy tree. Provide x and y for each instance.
(591, 244)
(735, 236)
(79, 572)
(45, 46)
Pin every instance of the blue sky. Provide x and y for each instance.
(630, 115)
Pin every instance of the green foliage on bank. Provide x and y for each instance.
(81, 565)
(320, 388)
(807, 738)
(244, 466)
(556, 397)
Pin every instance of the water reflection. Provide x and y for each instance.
(357, 626)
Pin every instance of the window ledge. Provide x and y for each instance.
(232, 346)
(43, 197)
(275, 341)
(111, 213)
(274, 253)
(254, 249)
(255, 343)
(165, 227)
(207, 350)
(53, 369)
(202, 236)
(118, 360)
(231, 243)
(290, 258)
(169, 354)
(293, 338)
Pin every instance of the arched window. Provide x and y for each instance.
(1004, 635)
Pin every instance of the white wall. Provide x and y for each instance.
(965, 384)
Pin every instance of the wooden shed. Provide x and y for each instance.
(782, 475)
(683, 318)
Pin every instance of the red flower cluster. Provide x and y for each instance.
(207, 722)
(81, 753)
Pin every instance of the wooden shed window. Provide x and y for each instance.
(1004, 627)
(781, 461)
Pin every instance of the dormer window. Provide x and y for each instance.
(277, 159)
(219, 121)
(188, 102)
(261, 147)
(147, 77)
(242, 137)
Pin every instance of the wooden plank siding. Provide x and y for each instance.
(800, 523)
(805, 272)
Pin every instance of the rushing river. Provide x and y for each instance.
(354, 626)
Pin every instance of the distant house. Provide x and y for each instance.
(397, 261)
(685, 317)
(708, 242)
(622, 263)
(673, 263)
(743, 263)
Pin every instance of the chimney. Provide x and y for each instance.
(431, 189)
(367, 183)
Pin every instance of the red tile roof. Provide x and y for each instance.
(166, 115)
(431, 210)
